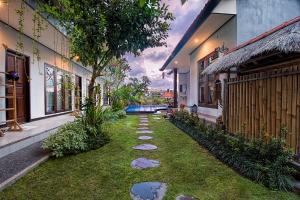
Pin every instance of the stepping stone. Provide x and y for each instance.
(143, 128)
(144, 121)
(145, 118)
(145, 137)
(183, 197)
(144, 131)
(143, 124)
(148, 191)
(156, 118)
(144, 163)
(145, 147)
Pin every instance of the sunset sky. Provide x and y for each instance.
(152, 59)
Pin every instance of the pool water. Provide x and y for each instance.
(145, 108)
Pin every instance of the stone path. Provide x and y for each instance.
(148, 190)
(183, 197)
(144, 131)
(145, 137)
(143, 124)
(145, 147)
(143, 128)
(144, 163)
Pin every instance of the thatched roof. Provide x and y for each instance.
(284, 39)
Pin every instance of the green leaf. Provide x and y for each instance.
(142, 2)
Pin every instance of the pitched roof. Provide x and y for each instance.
(284, 38)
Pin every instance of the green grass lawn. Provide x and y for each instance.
(106, 174)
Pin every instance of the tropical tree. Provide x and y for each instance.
(116, 72)
(144, 2)
(129, 93)
(140, 86)
(102, 30)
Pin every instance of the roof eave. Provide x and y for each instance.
(203, 15)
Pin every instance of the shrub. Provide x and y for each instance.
(120, 114)
(69, 139)
(86, 133)
(93, 121)
(264, 161)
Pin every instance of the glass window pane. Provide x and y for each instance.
(59, 89)
(68, 92)
(50, 89)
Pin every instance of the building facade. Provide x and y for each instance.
(221, 25)
(50, 82)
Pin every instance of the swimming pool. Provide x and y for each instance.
(131, 109)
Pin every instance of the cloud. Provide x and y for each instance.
(159, 83)
(156, 56)
(153, 59)
(137, 71)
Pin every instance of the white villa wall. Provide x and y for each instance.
(226, 36)
(49, 53)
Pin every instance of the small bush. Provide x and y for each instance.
(120, 114)
(69, 139)
(264, 161)
(97, 137)
(86, 133)
(110, 114)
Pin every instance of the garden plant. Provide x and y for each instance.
(264, 160)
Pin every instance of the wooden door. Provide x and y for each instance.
(18, 64)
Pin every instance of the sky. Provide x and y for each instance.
(153, 59)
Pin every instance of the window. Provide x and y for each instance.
(78, 92)
(58, 91)
(50, 89)
(209, 91)
(201, 95)
(68, 92)
(182, 89)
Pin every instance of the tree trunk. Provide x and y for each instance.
(91, 92)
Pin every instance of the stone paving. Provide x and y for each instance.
(145, 137)
(183, 197)
(143, 124)
(144, 163)
(145, 147)
(144, 131)
(143, 128)
(148, 190)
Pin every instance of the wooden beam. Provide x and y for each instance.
(175, 88)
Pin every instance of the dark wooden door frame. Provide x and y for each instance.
(27, 85)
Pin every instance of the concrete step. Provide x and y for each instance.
(32, 132)
(17, 145)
